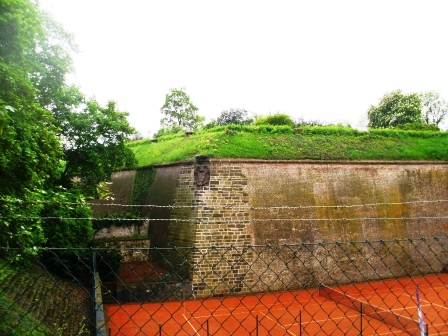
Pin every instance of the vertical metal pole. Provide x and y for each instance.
(300, 323)
(256, 325)
(207, 329)
(360, 316)
(94, 290)
(160, 330)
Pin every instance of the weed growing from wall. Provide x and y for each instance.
(140, 187)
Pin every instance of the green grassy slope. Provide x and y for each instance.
(282, 143)
(33, 302)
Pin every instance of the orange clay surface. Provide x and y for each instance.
(289, 313)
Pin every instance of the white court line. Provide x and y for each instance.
(429, 303)
(188, 321)
(276, 322)
(433, 304)
(331, 318)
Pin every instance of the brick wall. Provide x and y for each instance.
(239, 206)
(389, 187)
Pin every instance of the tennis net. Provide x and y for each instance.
(388, 317)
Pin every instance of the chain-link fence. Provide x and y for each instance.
(349, 288)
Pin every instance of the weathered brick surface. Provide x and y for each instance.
(206, 215)
(390, 188)
(121, 189)
(240, 209)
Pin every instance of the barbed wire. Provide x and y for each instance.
(192, 206)
(206, 221)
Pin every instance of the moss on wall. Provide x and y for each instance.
(141, 185)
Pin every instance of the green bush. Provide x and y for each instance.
(66, 220)
(21, 225)
(419, 126)
(275, 120)
(270, 129)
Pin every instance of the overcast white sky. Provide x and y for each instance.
(322, 59)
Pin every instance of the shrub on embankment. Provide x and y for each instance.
(286, 143)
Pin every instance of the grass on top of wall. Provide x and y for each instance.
(306, 143)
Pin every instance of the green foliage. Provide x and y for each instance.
(30, 147)
(171, 130)
(419, 126)
(328, 130)
(37, 110)
(21, 225)
(4, 114)
(142, 183)
(275, 120)
(94, 139)
(17, 321)
(406, 134)
(281, 129)
(32, 68)
(434, 109)
(394, 109)
(53, 60)
(180, 111)
(70, 225)
(306, 143)
(34, 59)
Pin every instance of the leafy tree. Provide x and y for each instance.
(93, 140)
(34, 58)
(73, 229)
(434, 109)
(21, 225)
(233, 116)
(394, 109)
(30, 147)
(180, 111)
(60, 227)
(275, 120)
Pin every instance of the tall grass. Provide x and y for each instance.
(304, 143)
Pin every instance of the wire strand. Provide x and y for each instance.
(193, 206)
(206, 221)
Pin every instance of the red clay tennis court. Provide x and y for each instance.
(306, 312)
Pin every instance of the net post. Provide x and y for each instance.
(256, 325)
(360, 317)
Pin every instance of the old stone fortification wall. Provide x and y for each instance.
(250, 203)
(121, 188)
(320, 203)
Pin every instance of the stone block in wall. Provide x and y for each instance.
(123, 231)
(131, 249)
